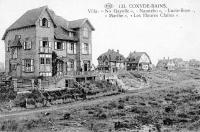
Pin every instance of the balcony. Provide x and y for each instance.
(45, 50)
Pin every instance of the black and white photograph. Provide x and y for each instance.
(100, 66)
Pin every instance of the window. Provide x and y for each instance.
(71, 48)
(70, 65)
(27, 65)
(60, 67)
(14, 53)
(8, 46)
(85, 49)
(59, 45)
(66, 83)
(27, 45)
(48, 61)
(71, 34)
(44, 23)
(45, 61)
(45, 46)
(45, 74)
(85, 32)
(13, 67)
(17, 36)
(41, 60)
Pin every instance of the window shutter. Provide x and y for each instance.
(41, 46)
(55, 45)
(49, 44)
(68, 47)
(68, 66)
(82, 63)
(32, 67)
(48, 24)
(74, 48)
(63, 45)
(23, 65)
(40, 21)
(30, 44)
(24, 45)
(41, 43)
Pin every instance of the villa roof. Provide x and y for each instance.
(135, 56)
(112, 55)
(30, 17)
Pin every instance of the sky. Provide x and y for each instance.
(159, 37)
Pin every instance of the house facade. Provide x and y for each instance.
(111, 61)
(40, 43)
(138, 61)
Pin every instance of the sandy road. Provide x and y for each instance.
(81, 103)
(73, 105)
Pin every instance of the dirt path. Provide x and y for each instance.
(74, 104)
(79, 104)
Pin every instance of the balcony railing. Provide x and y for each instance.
(45, 50)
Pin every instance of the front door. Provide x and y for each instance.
(85, 67)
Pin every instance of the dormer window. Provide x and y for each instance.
(71, 34)
(17, 37)
(44, 23)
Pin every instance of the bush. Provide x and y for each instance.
(101, 114)
(9, 125)
(112, 104)
(7, 93)
(67, 116)
(121, 106)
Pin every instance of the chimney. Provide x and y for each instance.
(117, 51)
(163, 58)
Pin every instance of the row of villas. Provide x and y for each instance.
(177, 63)
(40, 43)
(113, 61)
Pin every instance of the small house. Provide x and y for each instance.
(138, 61)
(166, 64)
(111, 61)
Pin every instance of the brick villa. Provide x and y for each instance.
(40, 43)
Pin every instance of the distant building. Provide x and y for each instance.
(193, 63)
(111, 61)
(138, 61)
(166, 64)
(172, 64)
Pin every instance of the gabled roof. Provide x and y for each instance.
(111, 55)
(30, 17)
(134, 57)
(78, 23)
(27, 19)
(60, 33)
